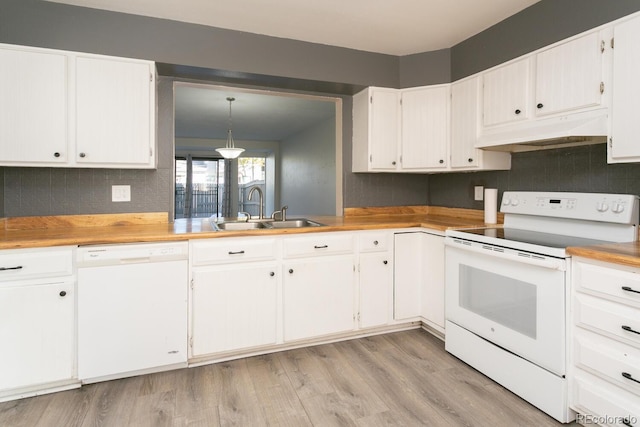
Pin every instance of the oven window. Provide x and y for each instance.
(505, 300)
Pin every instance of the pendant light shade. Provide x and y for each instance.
(230, 151)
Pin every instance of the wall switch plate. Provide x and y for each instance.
(478, 193)
(120, 193)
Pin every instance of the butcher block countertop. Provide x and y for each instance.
(31, 232)
(619, 253)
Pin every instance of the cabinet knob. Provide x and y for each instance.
(83, 155)
(272, 274)
(393, 163)
(385, 262)
(470, 160)
(375, 242)
(291, 271)
(540, 105)
(56, 154)
(518, 111)
(63, 293)
(441, 161)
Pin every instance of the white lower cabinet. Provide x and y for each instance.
(37, 322)
(605, 356)
(375, 278)
(233, 307)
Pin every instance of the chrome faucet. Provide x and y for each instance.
(282, 212)
(261, 209)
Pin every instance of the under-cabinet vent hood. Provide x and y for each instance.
(590, 127)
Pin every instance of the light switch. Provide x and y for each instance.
(120, 193)
(478, 193)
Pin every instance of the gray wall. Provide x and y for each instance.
(308, 170)
(565, 169)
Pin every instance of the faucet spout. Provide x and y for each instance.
(261, 198)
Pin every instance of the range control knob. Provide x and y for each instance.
(602, 207)
(617, 208)
(506, 201)
(515, 202)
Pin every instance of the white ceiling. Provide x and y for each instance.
(395, 27)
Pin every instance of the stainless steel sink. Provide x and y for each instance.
(295, 223)
(240, 225)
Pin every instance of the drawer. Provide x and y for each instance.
(598, 402)
(229, 250)
(611, 360)
(609, 318)
(19, 264)
(374, 241)
(619, 284)
(319, 244)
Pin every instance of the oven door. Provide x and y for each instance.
(515, 300)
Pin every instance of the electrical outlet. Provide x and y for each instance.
(478, 194)
(120, 193)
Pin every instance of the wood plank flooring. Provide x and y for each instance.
(399, 379)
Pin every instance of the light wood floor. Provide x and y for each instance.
(399, 379)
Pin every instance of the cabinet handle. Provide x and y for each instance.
(628, 376)
(63, 293)
(375, 242)
(272, 274)
(441, 161)
(540, 105)
(236, 252)
(628, 289)
(291, 271)
(56, 154)
(19, 267)
(321, 246)
(630, 329)
(385, 262)
(83, 155)
(470, 160)
(517, 111)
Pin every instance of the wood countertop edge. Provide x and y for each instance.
(611, 253)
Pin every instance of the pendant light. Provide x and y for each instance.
(230, 151)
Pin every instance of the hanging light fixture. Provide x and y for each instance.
(230, 151)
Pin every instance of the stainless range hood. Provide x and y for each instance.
(589, 127)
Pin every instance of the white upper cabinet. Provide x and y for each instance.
(569, 76)
(625, 105)
(465, 123)
(115, 100)
(425, 128)
(507, 93)
(68, 109)
(376, 130)
(33, 106)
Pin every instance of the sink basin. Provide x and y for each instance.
(241, 225)
(295, 223)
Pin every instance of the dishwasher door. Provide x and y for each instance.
(132, 309)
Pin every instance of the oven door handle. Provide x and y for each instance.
(508, 254)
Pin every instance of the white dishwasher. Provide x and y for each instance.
(132, 309)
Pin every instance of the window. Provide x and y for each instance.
(203, 186)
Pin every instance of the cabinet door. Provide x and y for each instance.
(37, 331)
(376, 282)
(568, 76)
(506, 93)
(433, 285)
(115, 100)
(384, 132)
(625, 105)
(464, 123)
(233, 307)
(425, 128)
(33, 107)
(407, 275)
(319, 297)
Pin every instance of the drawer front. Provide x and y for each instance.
(319, 244)
(612, 360)
(374, 241)
(19, 264)
(229, 250)
(598, 402)
(621, 285)
(612, 319)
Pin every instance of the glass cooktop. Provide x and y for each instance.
(527, 236)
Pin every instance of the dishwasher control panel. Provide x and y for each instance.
(129, 253)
